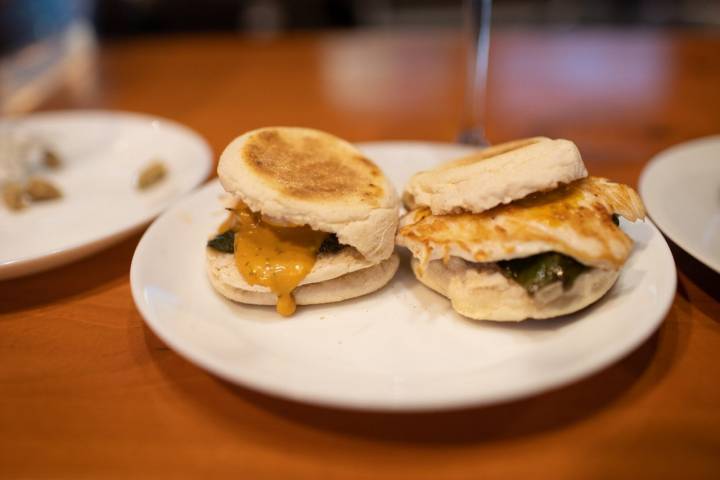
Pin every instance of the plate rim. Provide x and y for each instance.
(616, 352)
(659, 161)
(56, 257)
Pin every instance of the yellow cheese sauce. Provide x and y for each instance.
(273, 256)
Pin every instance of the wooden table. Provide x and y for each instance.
(87, 391)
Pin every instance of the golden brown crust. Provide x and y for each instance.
(296, 187)
(312, 167)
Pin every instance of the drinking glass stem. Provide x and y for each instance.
(477, 18)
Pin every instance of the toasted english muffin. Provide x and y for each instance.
(302, 176)
(482, 292)
(517, 231)
(311, 220)
(351, 285)
(495, 176)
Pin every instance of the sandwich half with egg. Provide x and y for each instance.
(517, 231)
(310, 221)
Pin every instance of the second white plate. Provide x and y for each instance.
(681, 190)
(102, 154)
(401, 348)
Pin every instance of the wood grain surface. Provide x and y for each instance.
(87, 391)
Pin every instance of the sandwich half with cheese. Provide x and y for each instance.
(517, 231)
(311, 220)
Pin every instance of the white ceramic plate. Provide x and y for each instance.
(102, 153)
(681, 190)
(402, 348)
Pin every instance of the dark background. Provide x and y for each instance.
(23, 22)
(127, 17)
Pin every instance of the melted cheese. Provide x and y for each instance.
(271, 255)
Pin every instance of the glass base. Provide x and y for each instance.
(473, 137)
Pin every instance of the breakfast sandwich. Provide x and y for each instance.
(311, 220)
(517, 231)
